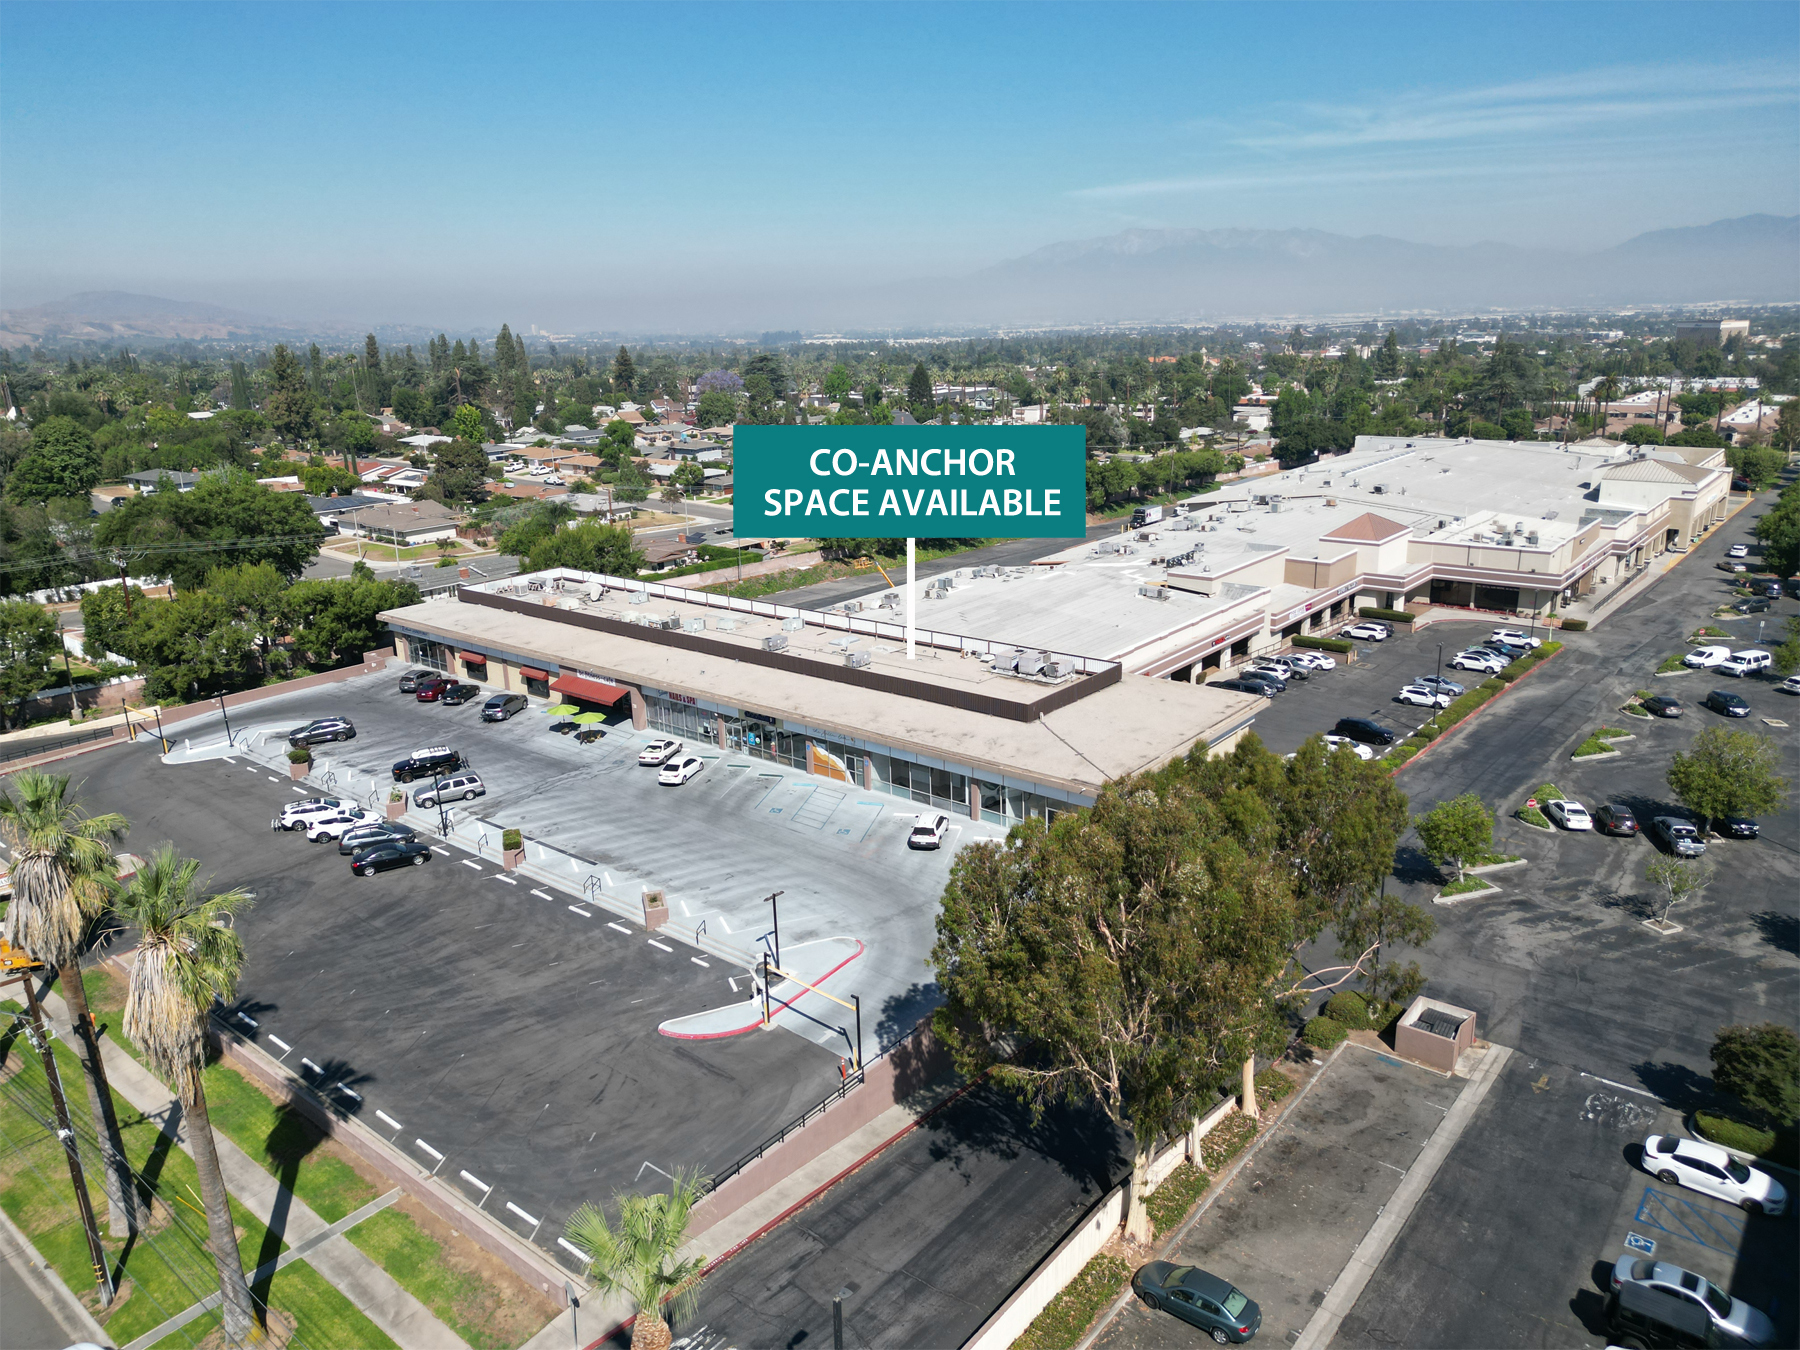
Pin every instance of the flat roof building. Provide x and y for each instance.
(1712, 332)
(970, 726)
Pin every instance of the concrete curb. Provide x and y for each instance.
(1354, 1278)
(1451, 731)
(34, 1270)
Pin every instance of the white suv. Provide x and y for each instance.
(1367, 632)
(296, 815)
(332, 826)
(1512, 637)
(1746, 662)
(464, 786)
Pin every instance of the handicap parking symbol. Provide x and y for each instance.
(1640, 1244)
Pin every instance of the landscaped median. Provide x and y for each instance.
(1531, 815)
(1601, 743)
(1465, 704)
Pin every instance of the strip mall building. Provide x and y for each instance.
(1035, 686)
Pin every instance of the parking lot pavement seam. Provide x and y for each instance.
(1213, 1191)
(1355, 1276)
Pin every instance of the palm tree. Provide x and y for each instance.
(187, 956)
(637, 1255)
(62, 865)
(1605, 391)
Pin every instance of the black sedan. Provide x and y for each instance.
(1730, 705)
(1737, 827)
(1218, 1308)
(1612, 819)
(458, 694)
(1364, 730)
(399, 853)
(1663, 706)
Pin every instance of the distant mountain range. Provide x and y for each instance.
(1138, 276)
(1206, 275)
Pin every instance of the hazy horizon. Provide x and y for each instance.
(763, 166)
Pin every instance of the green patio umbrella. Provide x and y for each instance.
(587, 719)
(562, 709)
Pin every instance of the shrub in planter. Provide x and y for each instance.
(1324, 644)
(511, 839)
(1574, 625)
(1532, 816)
(1729, 1133)
(396, 795)
(300, 754)
(1391, 615)
(1671, 664)
(1401, 753)
(1348, 1009)
(1322, 1033)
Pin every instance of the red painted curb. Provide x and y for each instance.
(757, 1024)
(1511, 685)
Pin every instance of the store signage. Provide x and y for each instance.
(924, 482)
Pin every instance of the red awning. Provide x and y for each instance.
(533, 673)
(590, 691)
(474, 658)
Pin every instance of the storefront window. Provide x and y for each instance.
(433, 654)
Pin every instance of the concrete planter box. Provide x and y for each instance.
(511, 858)
(1490, 889)
(656, 910)
(299, 771)
(1598, 754)
(1670, 674)
(1485, 868)
(396, 809)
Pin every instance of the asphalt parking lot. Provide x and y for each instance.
(1366, 686)
(1286, 1227)
(928, 1239)
(718, 845)
(472, 1019)
(1559, 965)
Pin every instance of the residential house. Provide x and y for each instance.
(404, 523)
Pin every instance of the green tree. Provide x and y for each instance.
(191, 645)
(322, 480)
(639, 1256)
(1456, 830)
(589, 547)
(1386, 362)
(188, 954)
(717, 409)
(838, 383)
(460, 471)
(1727, 773)
(105, 626)
(1678, 879)
(918, 386)
(336, 620)
(466, 424)
(1757, 464)
(62, 864)
(1779, 532)
(228, 508)
(62, 462)
(1787, 426)
(29, 643)
(631, 485)
(689, 476)
(624, 372)
(289, 405)
(257, 596)
(1760, 1066)
(1787, 655)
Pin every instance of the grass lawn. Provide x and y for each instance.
(286, 1143)
(466, 1303)
(1071, 1312)
(324, 1319)
(1467, 886)
(394, 552)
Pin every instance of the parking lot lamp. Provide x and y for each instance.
(1440, 660)
(775, 909)
(437, 800)
(227, 717)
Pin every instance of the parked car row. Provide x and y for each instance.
(1749, 661)
(433, 686)
(1681, 836)
(371, 843)
(1272, 675)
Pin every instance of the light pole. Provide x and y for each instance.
(775, 910)
(437, 800)
(227, 717)
(1440, 660)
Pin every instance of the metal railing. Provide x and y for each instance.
(46, 745)
(817, 1109)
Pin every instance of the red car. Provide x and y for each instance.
(431, 690)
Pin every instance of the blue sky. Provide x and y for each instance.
(599, 166)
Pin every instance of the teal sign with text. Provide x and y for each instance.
(996, 482)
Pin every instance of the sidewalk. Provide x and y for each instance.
(375, 1293)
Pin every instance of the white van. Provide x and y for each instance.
(1746, 662)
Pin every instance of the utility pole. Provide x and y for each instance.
(227, 717)
(776, 910)
(40, 1039)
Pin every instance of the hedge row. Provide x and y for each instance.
(1574, 625)
(1530, 659)
(1324, 644)
(1729, 1133)
(1391, 615)
(1322, 1033)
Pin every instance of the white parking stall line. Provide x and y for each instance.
(621, 928)
(433, 1152)
(659, 947)
(388, 1119)
(697, 961)
(529, 1218)
(473, 1180)
(273, 779)
(248, 768)
(508, 880)
(309, 1064)
(340, 1089)
(542, 895)
(285, 1047)
(723, 924)
(580, 1255)
(436, 849)
(247, 1020)
(585, 913)
(466, 863)
(301, 791)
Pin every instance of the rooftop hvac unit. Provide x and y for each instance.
(793, 624)
(1154, 592)
(726, 625)
(1532, 539)
(890, 601)
(1275, 506)
(1031, 663)
(640, 597)
(853, 607)
(668, 623)
(775, 642)
(857, 660)
(1007, 658)
(1053, 670)
(1331, 501)
(1378, 489)
(696, 625)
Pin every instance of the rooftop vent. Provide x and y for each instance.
(1437, 1022)
(1154, 592)
(793, 624)
(696, 625)
(1032, 663)
(775, 642)
(639, 597)
(857, 660)
(726, 624)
